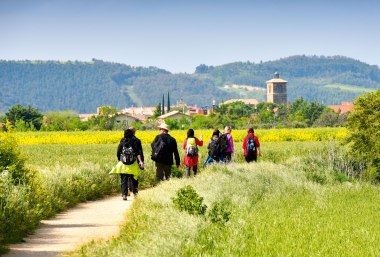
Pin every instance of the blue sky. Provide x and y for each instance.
(180, 35)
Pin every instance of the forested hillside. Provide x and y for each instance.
(329, 80)
(83, 86)
(79, 86)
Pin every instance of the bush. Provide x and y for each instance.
(19, 211)
(220, 212)
(188, 200)
(364, 130)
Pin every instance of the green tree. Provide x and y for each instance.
(163, 105)
(157, 111)
(364, 130)
(62, 121)
(31, 116)
(168, 102)
(105, 119)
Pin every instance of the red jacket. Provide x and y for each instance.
(191, 161)
(245, 142)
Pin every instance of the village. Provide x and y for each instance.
(276, 92)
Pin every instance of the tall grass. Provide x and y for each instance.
(275, 211)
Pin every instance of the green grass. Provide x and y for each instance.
(293, 202)
(350, 88)
(275, 211)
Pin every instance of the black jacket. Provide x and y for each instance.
(169, 150)
(136, 146)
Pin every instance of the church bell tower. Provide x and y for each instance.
(276, 90)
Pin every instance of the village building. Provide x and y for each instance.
(251, 102)
(86, 116)
(125, 118)
(344, 107)
(141, 113)
(276, 90)
(194, 110)
(177, 115)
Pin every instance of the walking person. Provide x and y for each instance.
(251, 146)
(129, 154)
(191, 144)
(139, 145)
(214, 152)
(227, 145)
(164, 147)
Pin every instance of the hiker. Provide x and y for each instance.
(139, 145)
(129, 154)
(214, 154)
(251, 146)
(163, 148)
(191, 155)
(226, 145)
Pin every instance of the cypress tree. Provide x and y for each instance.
(163, 105)
(168, 102)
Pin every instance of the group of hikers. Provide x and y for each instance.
(220, 150)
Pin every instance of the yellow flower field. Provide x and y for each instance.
(112, 137)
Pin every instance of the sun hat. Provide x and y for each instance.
(164, 126)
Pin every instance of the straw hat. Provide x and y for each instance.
(164, 126)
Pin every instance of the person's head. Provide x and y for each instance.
(133, 129)
(227, 129)
(216, 132)
(164, 128)
(250, 130)
(128, 133)
(190, 133)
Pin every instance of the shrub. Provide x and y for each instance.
(220, 212)
(188, 200)
(11, 162)
(364, 130)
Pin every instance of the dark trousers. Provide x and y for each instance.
(195, 168)
(227, 157)
(129, 182)
(163, 170)
(251, 158)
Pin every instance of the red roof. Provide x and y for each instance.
(343, 108)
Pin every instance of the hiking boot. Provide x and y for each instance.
(125, 198)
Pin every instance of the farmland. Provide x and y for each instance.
(113, 137)
(297, 195)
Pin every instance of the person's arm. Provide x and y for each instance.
(231, 143)
(184, 144)
(257, 146)
(119, 148)
(141, 152)
(244, 144)
(176, 154)
(199, 142)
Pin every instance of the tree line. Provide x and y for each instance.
(298, 114)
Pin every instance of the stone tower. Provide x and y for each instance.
(276, 90)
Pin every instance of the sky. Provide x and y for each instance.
(180, 35)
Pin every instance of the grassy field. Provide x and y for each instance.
(296, 201)
(274, 210)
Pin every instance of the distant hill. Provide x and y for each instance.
(83, 86)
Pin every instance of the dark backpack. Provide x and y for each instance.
(127, 155)
(223, 143)
(251, 146)
(157, 149)
(214, 148)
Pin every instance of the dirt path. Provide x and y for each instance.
(68, 230)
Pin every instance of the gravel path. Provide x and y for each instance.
(87, 221)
